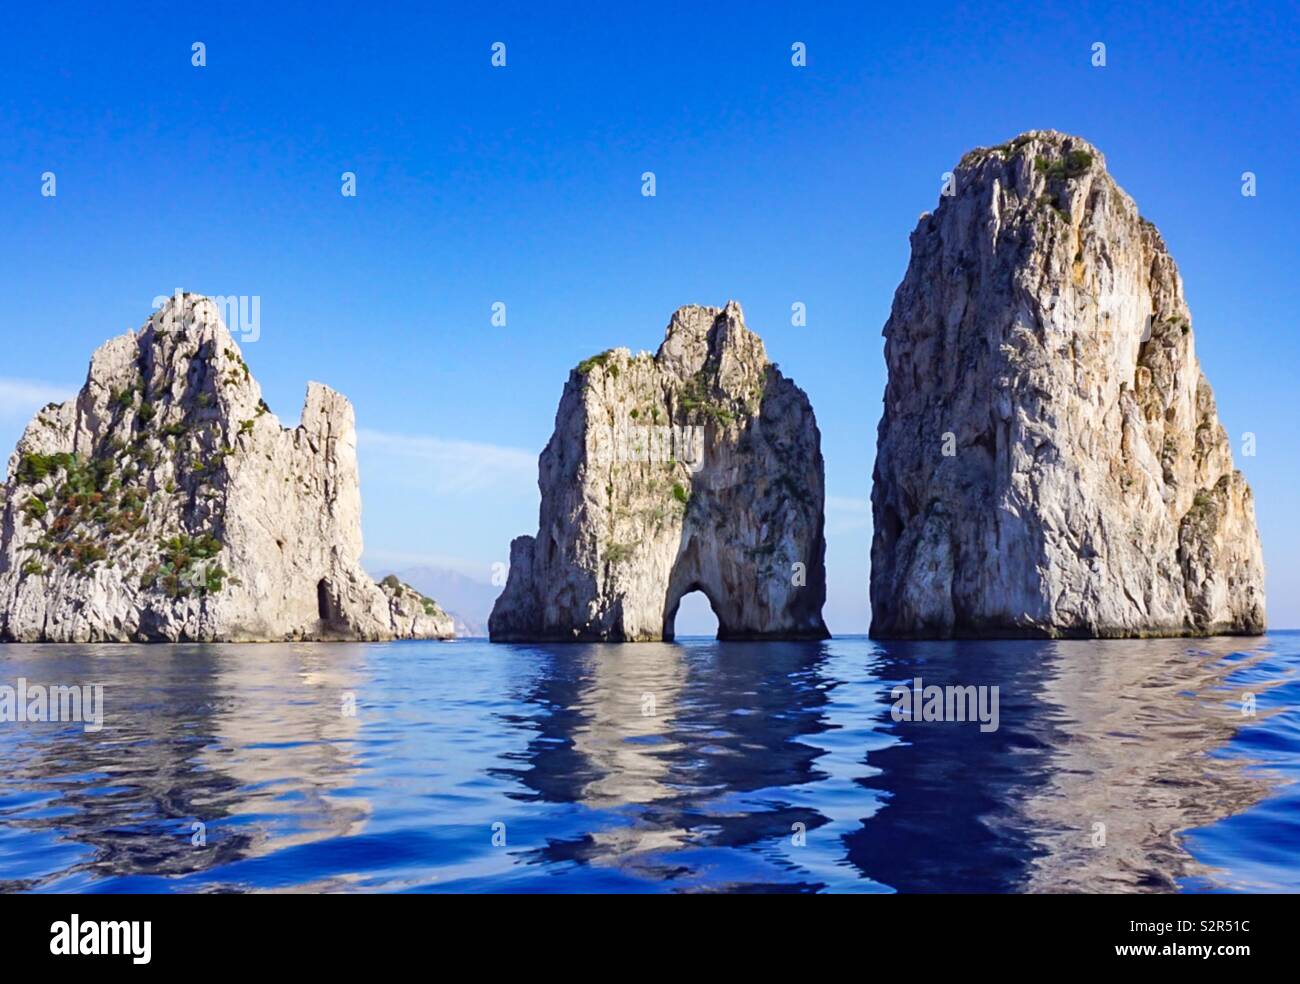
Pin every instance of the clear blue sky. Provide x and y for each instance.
(476, 184)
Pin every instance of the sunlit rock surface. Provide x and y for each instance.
(698, 468)
(165, 502)
(1050, 462)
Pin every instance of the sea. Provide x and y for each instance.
(696, 766)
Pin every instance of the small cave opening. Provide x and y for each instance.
(891, 525)
(324, 601)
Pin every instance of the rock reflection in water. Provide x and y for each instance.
(1143, 722)
(664, 737)
(1091, 732)
(249, 741)
(694, 766)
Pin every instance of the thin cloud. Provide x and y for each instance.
(475, 570)
(845, 513)
(23, 397)
(847, 504)
(456, 466)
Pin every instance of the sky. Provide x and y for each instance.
(521, 185)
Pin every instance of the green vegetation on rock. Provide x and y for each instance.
(697, 401)
(1075, 163)
(33, 468)
(617, 553)
(586, 365)
(182, 568)
(399, 589)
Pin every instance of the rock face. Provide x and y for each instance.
(166, 503)
(698, 468)
(1050, 462)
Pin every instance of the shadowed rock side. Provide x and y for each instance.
(698, 468)
(1050, 462)
(166, 503)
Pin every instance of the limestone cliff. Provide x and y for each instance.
(698, 468)
(165, 503)
(1050, 461)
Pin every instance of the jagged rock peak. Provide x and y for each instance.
(165, 502)
(698, 468)
(1050, 460)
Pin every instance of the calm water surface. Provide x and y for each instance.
(677, 767)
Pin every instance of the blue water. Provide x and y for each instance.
(697, 766)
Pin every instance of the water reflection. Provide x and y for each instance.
(1143, 723)
(1103, 757)
(952, 793)
(244, 741)
(663, 742)
(695, 766)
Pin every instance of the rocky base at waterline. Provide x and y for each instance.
(698, 468)
(165, 503)
(1050, 460)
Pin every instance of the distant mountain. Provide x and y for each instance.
(467, 600)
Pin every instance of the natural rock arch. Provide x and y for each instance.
(676, 595)
(697, 468)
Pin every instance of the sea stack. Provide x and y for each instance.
(1050, 462)
(697, 468)
(165, 503)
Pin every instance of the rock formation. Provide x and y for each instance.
(1050, 462)
(166, 503)
(698, 468)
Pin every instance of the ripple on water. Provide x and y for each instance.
(697, 766)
